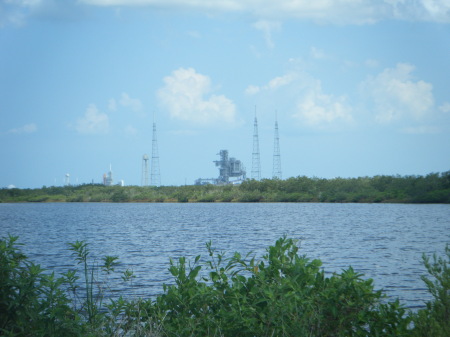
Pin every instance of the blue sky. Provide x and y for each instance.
(360, 88)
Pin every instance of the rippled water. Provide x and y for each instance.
(383, 241)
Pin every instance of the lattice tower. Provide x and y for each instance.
(144, 180)
(256, 164)
(155, 176)
(276, 173)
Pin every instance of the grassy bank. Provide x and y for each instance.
(432, 188)
(283, 294)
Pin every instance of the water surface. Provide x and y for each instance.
(383, 241)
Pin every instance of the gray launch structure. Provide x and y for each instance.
(228, 168)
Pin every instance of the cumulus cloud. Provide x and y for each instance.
(421, 130)
(312, 106)
(445, 107)
(273, 84)
(27, 128)
(112, 104)
(268, 28)
(126, 101)
(186, 96)
(372, 63)
(317, 53)
(332, 11)
(17, 12)
(130, 130)
(396, 95)
(318, 109)
(93, 122)
(133, 103)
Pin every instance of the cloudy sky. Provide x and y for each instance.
(360, 87)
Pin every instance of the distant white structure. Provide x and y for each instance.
(108, 178)
(144, 180)
(67, 179)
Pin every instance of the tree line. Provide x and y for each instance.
(431, 188)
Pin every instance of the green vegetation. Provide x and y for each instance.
(432, 188)
(283, 294)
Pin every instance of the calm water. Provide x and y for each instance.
(385, 242)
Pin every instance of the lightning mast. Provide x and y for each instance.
(276, 173)
(155, 176)
(256, 165)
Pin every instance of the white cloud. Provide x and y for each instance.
(252, 90)
(112, 104)
(186, 97)
(27, 128)
(421, 130)
(317, 109)
(268, 28)
(397, 96)
(93, 122)
(317, 53)
(273, 84)
(326, 11)
(130, 130)
(16, 12)
(194, 34)
(445, 107)
(371, 63)
(312, 106)
(133, 103)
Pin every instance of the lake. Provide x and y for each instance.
(383, 241)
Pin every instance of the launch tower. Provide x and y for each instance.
(228, 168)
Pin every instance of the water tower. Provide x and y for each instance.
(144, 180)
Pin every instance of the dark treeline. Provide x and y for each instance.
(432, 188)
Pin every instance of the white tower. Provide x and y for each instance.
(144, 180)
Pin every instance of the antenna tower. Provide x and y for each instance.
(144, 180)
(276, 153)
(155, 176)
(256, 165)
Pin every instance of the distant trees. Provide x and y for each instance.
(432, 188)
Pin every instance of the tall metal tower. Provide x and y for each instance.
(276, 173)
(256, 164)
(144, 180)
(155, 176)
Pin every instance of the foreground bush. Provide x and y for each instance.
(283, 294)
(32, 303)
